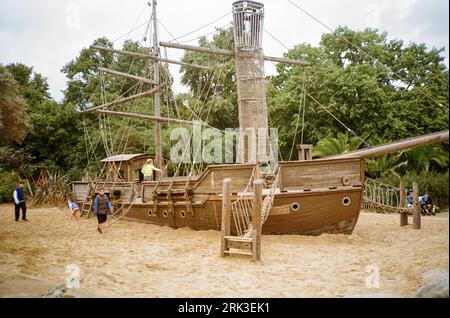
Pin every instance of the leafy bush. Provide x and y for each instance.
(8, 182)
(437, 184)
(54, 190)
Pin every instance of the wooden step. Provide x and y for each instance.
(239, 239)
(238, 252)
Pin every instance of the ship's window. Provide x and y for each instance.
(346, 181)
(150, 212)
(346, 201)
(183, 214)
(165, 213)
(295, 207)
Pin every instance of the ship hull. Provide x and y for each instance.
(312, 198)
(320, 212)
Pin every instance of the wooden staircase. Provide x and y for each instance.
(88, 202)
(242, 245)
(237, 245)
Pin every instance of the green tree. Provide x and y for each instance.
(365, 95)
(385, 166)
(428, 158)
(213, 95)
(32, 86)
(13, 118)
(334, 146)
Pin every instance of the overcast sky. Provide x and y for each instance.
(46, 34)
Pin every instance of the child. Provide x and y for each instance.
(101, 208)
(74, 208)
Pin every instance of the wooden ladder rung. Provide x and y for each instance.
(239, 239)
(238, 252)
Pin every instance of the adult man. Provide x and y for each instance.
(19, 200)
(101, 208)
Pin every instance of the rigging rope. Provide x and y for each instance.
(202, 27)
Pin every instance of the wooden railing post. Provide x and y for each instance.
(226, 213)
(256, 218)
(416, 208)
(403, 216)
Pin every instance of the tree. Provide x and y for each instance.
(55, 130)
(31, 85)
(213, 94)
(334, 146)
(384, 166)
(428, 158)
(365, 95)
(13, 118)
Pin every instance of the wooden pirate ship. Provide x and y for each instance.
(307, 197)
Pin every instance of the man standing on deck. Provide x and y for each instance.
(19, 200)
(101, 208)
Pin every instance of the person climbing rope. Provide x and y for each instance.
(101, 207)
(148, 169)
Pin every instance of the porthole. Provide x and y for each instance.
(295, 207)
(165, 213)
(346, 201)
(183, 214)
(150, 212)
(346, 181)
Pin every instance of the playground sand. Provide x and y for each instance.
(141, 260)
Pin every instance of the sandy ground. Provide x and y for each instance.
(141, 260)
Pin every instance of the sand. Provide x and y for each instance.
(140, 260)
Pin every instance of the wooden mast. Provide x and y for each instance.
(229, 53)
(126, 75)
(148, 57)
(396, 146)
(157, 96)
(148, 117)
(121, 101)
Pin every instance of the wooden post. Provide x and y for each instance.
(157, 96)
(226, 213)
(256, 218)
(416, 208)
(403, 216)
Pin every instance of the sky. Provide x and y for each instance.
(47, 34)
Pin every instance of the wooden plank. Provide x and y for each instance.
(149, 57)
(403, 216)
(226, 214)
(239, 252)
(239, 239)
(129, 76)
(228, 53)
(397, 146)
(256, 217)
(416, 208)
(320, 174)
(148, 117)
(121, 101)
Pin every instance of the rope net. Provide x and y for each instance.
(380, 197)
(241, 209)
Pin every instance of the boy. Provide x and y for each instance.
(74, 208)
(101, 207)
